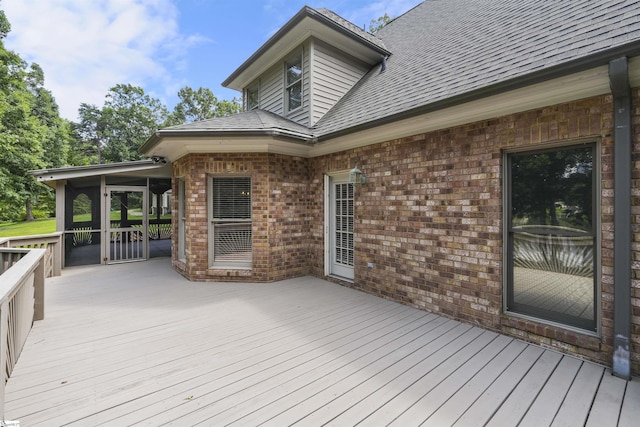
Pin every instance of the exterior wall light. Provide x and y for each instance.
(356, 177)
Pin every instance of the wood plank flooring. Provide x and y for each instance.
(137, 344)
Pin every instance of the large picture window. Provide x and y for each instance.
(182, 220)
(551, 235)
(230, 222)
(293, 77)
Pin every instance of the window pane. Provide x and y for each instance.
(295, 96)
(294, 71)
(253, 99)
(553, 188)
(551, 238)
(232, 198)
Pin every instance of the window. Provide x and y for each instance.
(551, 237)
(294, 83)
(182, 220)
(230, 222)
(253, 97)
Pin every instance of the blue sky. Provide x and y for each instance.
(87, 46)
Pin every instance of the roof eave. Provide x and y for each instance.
(305, 12)
(580, 64)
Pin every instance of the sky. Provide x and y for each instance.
(85, 47)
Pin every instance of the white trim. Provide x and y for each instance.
(182, 219)
(327, 213)
(330, 179)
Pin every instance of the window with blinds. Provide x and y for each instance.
(230, 222)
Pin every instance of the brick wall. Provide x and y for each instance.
(279, 215)
(430, 219)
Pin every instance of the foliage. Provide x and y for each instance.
(21, 133)
(200, 104)
(34, 136)
(117, 129)
(376, 24)
(553, 188)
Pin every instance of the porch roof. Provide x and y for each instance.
(154, 167)
(139, 344)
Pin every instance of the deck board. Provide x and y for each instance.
(138, 344)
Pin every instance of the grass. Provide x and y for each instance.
(44, 226)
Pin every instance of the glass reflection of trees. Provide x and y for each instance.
(552, 236)
(553, 188)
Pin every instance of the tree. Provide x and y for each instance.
(21, 133)
(120, 127)
(376, 24)
(200, 104)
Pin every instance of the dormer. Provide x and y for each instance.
(307, 66)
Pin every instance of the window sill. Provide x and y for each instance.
(229, 272)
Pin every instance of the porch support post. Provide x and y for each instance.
(620, 88)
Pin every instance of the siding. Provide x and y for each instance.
(272, 90)
(333, 74)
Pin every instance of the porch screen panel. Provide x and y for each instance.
(344, 250)
(231, 221)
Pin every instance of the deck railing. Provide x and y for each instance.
(51, 243)
(22, 273)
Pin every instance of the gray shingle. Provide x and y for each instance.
(442, 49)
(248, 121)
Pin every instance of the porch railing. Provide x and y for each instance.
(22, 274)
(51, 243)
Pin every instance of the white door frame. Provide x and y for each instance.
(330, 268)
(126, 237)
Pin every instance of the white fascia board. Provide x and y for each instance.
(174, 148)
(83, 172)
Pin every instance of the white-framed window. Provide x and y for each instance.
(293, 83)
(182, 220)
(253, 97)
(551, 235)
(230, 242)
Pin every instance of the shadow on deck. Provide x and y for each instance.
(138, 344)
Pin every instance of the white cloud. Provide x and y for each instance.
(87, 47)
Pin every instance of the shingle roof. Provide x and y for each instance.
(444, 49)
(256, 121)
(351, 27)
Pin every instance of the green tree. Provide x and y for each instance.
(376, 24)
(200, 104)
(118, 129)
(21, 133)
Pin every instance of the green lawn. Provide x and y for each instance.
(44, 226)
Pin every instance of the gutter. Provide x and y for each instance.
(621, 91)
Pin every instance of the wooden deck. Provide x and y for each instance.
(136, 344)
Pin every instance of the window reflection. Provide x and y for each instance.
(551, 235)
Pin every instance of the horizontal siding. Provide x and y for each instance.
(334, 74)
(271, 89)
